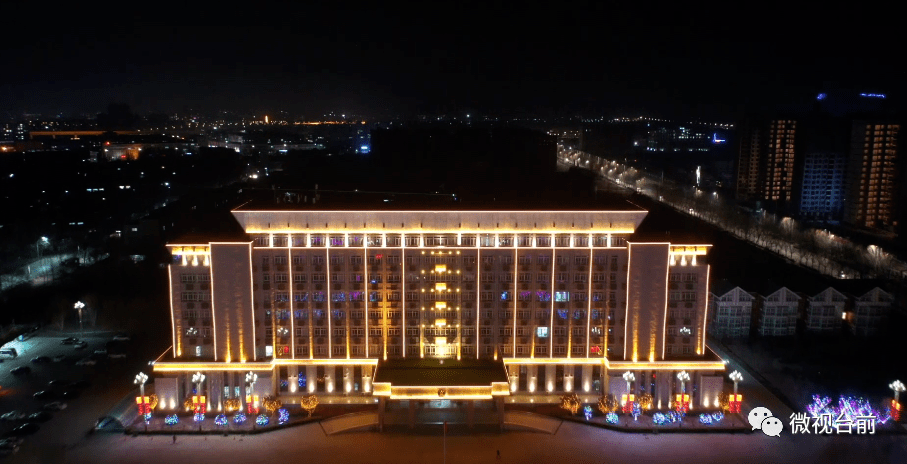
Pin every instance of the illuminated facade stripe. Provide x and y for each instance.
(292, 284)
(176, 344)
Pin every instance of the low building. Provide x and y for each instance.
(825, 311)
(730, 312)
(870, 311)
(780, 311)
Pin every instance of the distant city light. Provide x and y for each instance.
(716, 140)
(873, 95)
(821, 96)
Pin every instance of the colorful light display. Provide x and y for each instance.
(220, 420)
(262, 420)
(283, 416)
(848, 407)
(611, 418)
(171, 419)
(239, 418)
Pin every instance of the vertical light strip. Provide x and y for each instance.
(589, 301)
(176, 347)
(365, 294)
(327, 266)
(664, 325)
(516, 259)
(213, 316)
(252, 301)
(403, 293)
(291, 282)
(705, 314)
(551, 299)
(478, 283)
(627, 302)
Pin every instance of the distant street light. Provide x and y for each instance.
(44, 241)
(79, 306)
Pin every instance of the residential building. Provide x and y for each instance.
(875, 174)
(780, 311)
(731, 312)
(765, 169)
(870, 311)
(825, 311)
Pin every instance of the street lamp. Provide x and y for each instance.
(251, 378)
(897, 386)
(683, 377)
(79, 306)
(140, 380)
(44, 241)
(736, 377)
(197, 379)
(629, 377)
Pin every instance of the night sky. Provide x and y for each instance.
(565, 59)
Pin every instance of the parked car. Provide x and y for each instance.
(86, 362)
(43, 395)
(59, 357)
(40, 416)
(69, 341)
(117, 355)
(13, 416)
(41, 360)
(21, 370)
(121, 337)
(101, 351)
(80, 345)
(55, 406)
(80, 384)
(27, 428)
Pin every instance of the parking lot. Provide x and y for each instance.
(66, 373)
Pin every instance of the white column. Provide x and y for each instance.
(532, 377)
(587, 378)
(293, 378)
(514, 373)
(329, 374)
(568, 378)
(347, 379)
(550, 371)
(311, 377)
(366, 379)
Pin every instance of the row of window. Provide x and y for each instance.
(410, 240)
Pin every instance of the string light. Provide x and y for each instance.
(220, 420)
(239, 418)
(262, 420)
(283, 416)
(199, 417)
(612, 418)
(171, 419)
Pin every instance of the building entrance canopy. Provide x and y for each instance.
(426, 379)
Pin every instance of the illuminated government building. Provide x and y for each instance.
(424, 303)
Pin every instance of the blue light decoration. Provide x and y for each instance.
(587, 411)
(220, 420)
(873, 95)
(561, 296)
(318, 313)
(301, 297)
(284, 383)
(338, 297)
(562, 313)
(148, 418)
(637, 410)
(364, 149)
(660, 418)
(578, 314)
(318, 297)
(822, 96)
(850, 407)
(541, 332)
(239, 418)
(283, 416)
(543, 296)
(355, 296)
(262, 420)
(611, 418)
(709, 419)
(373, 296)
(171, 419)
(302, 380)
(199, 417)
(716, 140)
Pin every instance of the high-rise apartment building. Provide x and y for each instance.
(765, 169)
(563, 300)
(873, 174)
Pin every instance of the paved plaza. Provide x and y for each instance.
(572, 443)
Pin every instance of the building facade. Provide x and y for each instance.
(780, 311)
(315, 300)
(825, 311)
(870, 311)
(765, 169)
(731, 313)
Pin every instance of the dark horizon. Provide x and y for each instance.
(578, 60)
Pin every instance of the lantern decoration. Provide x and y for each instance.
(199, 405)
(734, 402)
(144, 405)
(682, 402)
